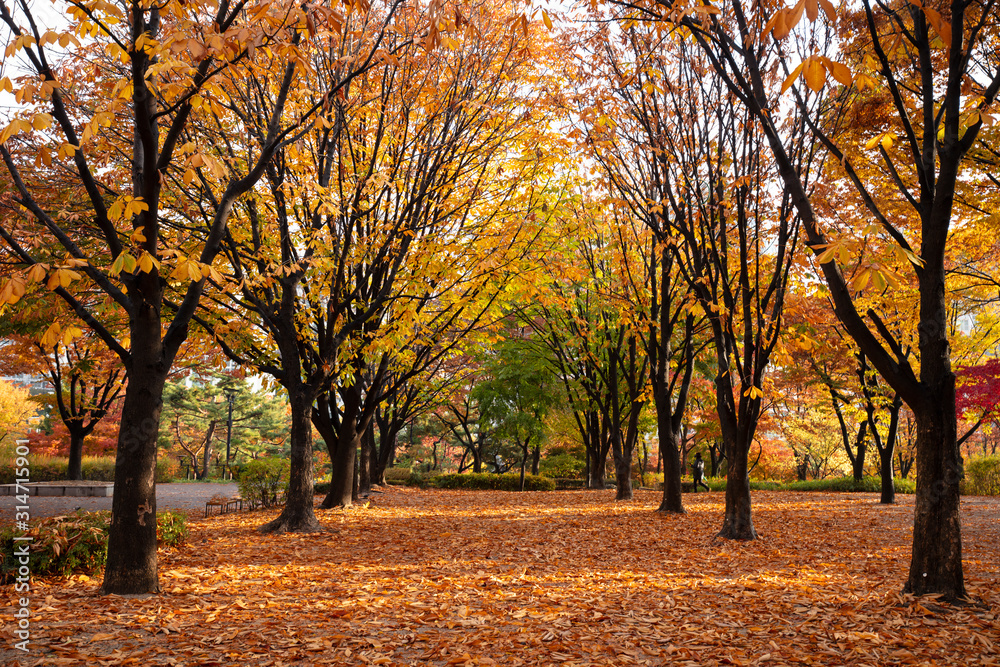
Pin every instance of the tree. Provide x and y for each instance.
(196, 414)
(733, 240)
(107, 116)
(86, 383)
(16, 407)
(515, 398)
(632, 157)
(379, 216)
(941, 86)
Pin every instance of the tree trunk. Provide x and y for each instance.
(936, 561)
(343, 451)
(131, 563)
(738, 521)
(670, 455)
(206, 457)
(365, 463)
(802, 468)
(524, 462)
(598, 471)
(342, 457)
(74, 471)
(477, 459)
(861, 449)
(623, 478)
(886, 472)
(717, 456)
(298, 515)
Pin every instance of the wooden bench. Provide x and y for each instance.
(224, 504)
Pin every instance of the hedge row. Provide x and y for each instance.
(76, 542)
(982, 477)
(491, 482)
(55, 468)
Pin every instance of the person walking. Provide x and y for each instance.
(698, 472)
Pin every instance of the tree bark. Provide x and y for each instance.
(343, 450)
(74, 471)
(936, 557)
(670, 455)
(737, 436)
(131, 563)
(298, 515)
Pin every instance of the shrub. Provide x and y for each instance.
(848, 484)
(397, 475)
(564, 466)
(45, 468)
(171, 528)
(166, 470)
(42, 468)
(492, 482)
(262, 480)
(982, 477)
(76, 542)
(98, 468)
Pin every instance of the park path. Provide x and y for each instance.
(187, 497)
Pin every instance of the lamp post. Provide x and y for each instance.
(231, 398)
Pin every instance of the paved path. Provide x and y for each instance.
(190, 496)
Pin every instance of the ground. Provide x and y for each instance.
(570, 578)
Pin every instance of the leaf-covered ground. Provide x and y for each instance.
(570, 578)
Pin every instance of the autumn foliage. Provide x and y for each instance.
(493, 578)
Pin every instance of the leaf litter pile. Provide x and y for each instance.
(569, 578)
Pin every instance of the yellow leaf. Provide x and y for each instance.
(828, 254)
(815, 74)
(51, 336)
(827, 6)
(36, 273)
(791, 77)
(41, 121)
(781, 26)
(795, 14)
(12, 291)
(860, 281)
(70, 333)
(147, 263)
(841, 73)
(62, 278)
(812, 9)
(546, 19)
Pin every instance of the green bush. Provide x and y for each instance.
(41, 468)
(166, 470)
(171, 528)
(98, 468)
(321, 488)
(397, 475)
(491, 482)
(563, 466)
(76, 542)
(982, 477)
(93, 468)
(261, 481)
(848, 485)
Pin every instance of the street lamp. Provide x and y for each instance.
(231, 398)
